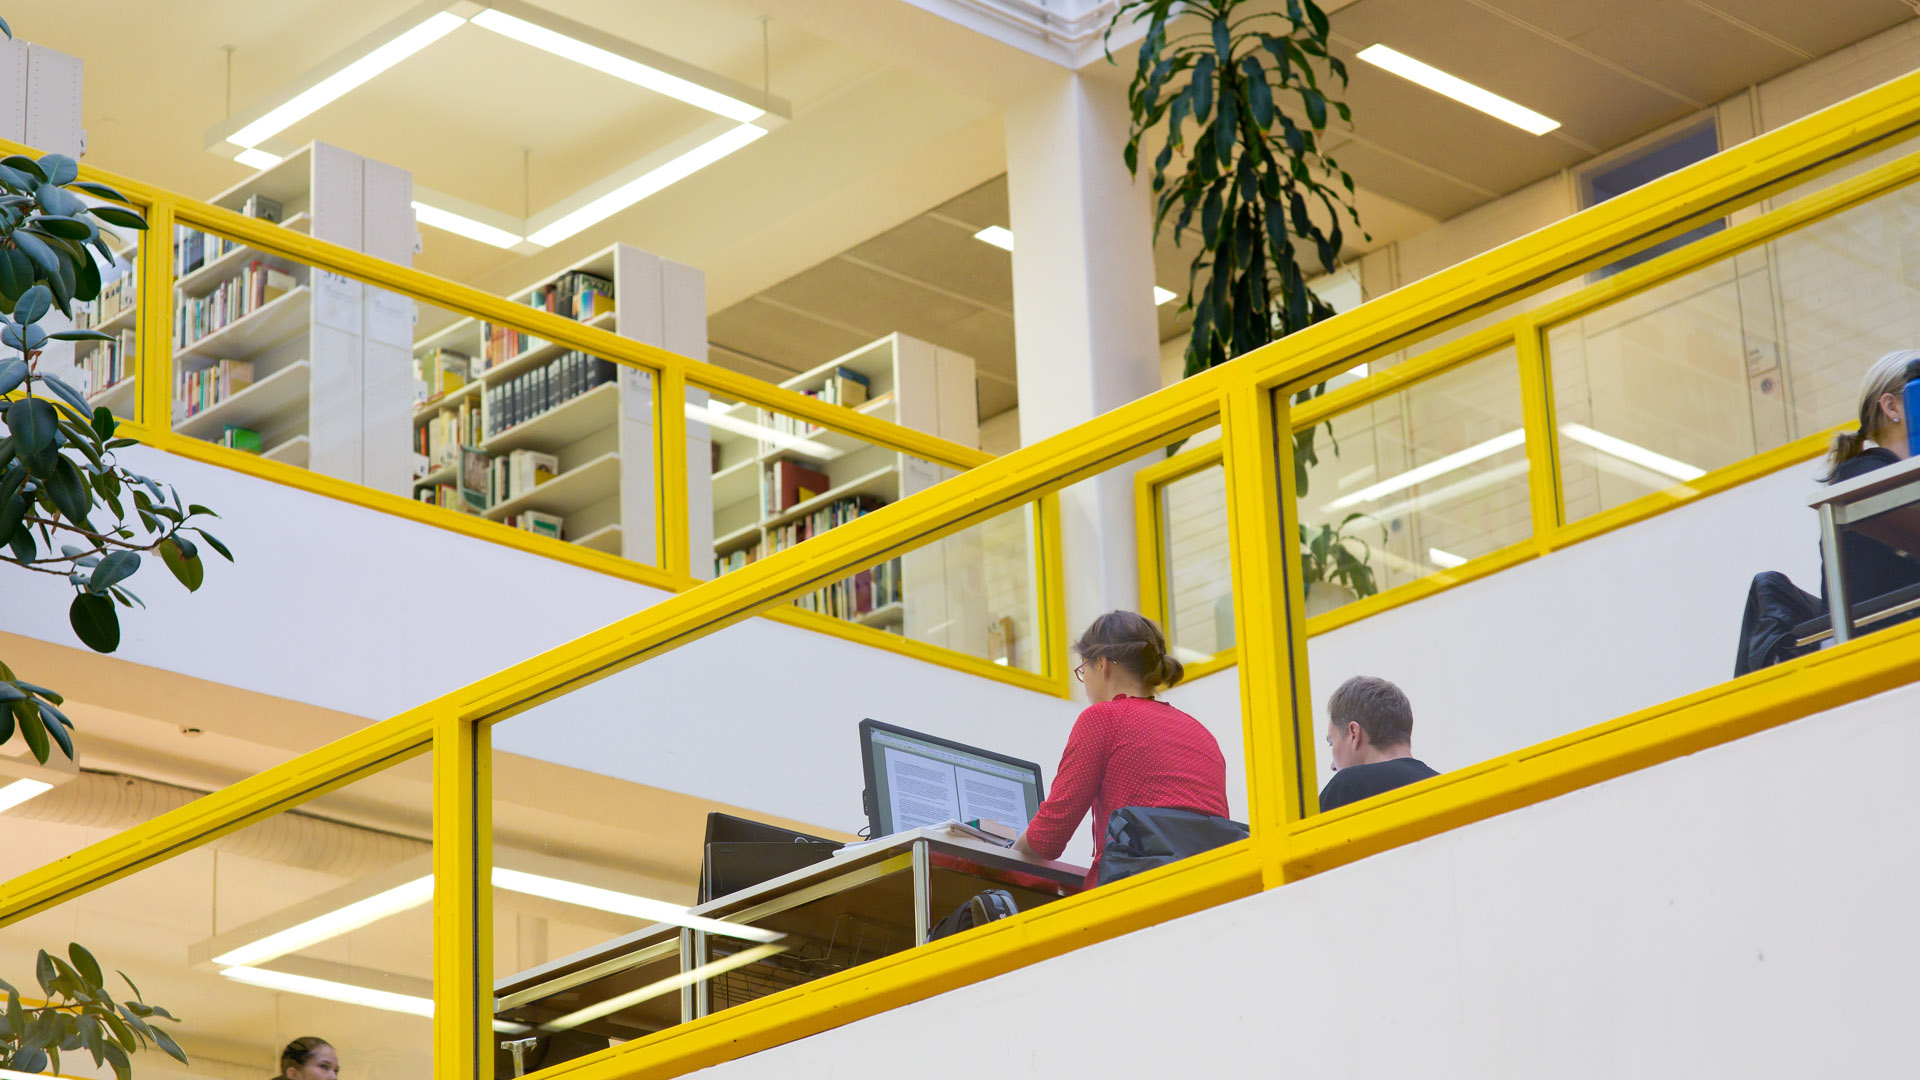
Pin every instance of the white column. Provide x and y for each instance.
(1086, 334)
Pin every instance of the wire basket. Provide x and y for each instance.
(855, 940)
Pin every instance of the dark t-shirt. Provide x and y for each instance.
(1873, 568)
(1356, 782)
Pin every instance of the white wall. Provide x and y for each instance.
(334, 605)
(1594, 631)
(1730, 913)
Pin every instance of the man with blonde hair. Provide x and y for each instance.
(1370, 732)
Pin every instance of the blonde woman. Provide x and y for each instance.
(1873, 568)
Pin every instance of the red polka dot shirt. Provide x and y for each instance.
(1128, 752)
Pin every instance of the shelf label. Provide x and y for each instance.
(336, 301)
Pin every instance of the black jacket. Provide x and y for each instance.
(1775, 605)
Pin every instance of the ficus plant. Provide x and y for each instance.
(1245, 97)
(1327, 555)
(68, 508)
(78, 1013)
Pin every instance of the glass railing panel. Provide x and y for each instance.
(1413, 483)
(1731, 359)
(1196, 564)
(103, 371)
(313, 922)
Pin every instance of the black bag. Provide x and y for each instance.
(1140, 838)
(989, 906)
(1775, 605)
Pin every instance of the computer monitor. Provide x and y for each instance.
(740, 853)
(915, 779)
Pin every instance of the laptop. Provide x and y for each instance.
(915, 779)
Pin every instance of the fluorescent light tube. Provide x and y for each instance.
(616, 65)
(715, 415)
(639, 907)
(1445, 560)
(997, 236)
(1458, 89)
(331, 925)
(317, 96)
(1440, 466)
(1634, 452)
(634, 190)
(20, 791)
(1161, 296)
(255, 158)
(663, 986)
(448, 221)
(1459, 489)
(345, 993)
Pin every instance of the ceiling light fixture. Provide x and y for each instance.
(1445, 560)
(331, 925)
(1634, 452)
(20, 791)
(331, 88)
(718, 414)
(999, 237)
(1161, 296)
(662, 986)
(459, 225)
(255, 158)
(620, 67)
(639, 907)
(1458, 89)
(647, 184)
(346, 994)
(1420, 474)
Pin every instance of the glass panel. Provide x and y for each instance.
(1197, 564)
(249, 940)
(1732, 359)
(103, 370)
(1416, 482)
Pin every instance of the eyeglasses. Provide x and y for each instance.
(1080, 672)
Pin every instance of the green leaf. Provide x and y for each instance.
(62, 225)
(69, 492)
(115, 215)
(101, 190)
(59, 728)
(6, 733)
(44, 971)
(79, 335)
(95, 622)
(34, 425)
(166, 1043)
(16, 272)
(5, 29)
(137, 996)
(33, 305)
(59, 169)
(10, 693)
(27, 715)
(26, 165)
(42, 691)
(65, 392)
(26, 338)
(196, 508)
(85, 964)
(184, 561)
(215, 544)
(115, 568)
(12, 374)
(37, 250)
(116, 1057)
(104, 424)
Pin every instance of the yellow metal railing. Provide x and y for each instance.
(673, 376)
(1249, 399)
(1524, 336)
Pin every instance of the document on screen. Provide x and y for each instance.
(983, 795)
(924, 792)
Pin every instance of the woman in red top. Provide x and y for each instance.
(1128, 748)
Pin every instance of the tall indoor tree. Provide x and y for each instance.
(64, 510)
(1242, 89)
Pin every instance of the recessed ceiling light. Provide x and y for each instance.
(1420, 474)
(997, 236)
(1458, 89)
(331, 925)
(454, 223)
(346, 993)
(618, 66)
(1445, 560)
(647, 183)
(317, 96)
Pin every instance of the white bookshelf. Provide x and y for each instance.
(328, 354)
(602, 437)
(909, 382)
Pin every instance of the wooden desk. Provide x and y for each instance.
(1883, 505)
(868, 901)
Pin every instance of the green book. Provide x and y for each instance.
(240, 438)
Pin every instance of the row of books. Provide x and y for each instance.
(785, 484)
(442, 371)
(193, 249)
(503, 343)
(457, 497)
(523, 397)
(836, 513)
(109, 362)
(443, 434)
(236, 437)
(575, 294)
(734, 560)
(195, 391)
(844, 387)
(116, 296)
(863, 593)
(198, 316)
(485, 480)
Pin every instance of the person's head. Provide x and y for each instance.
(1368, 720)
(1882, 412)
(1124, 653)
(309, 1058)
